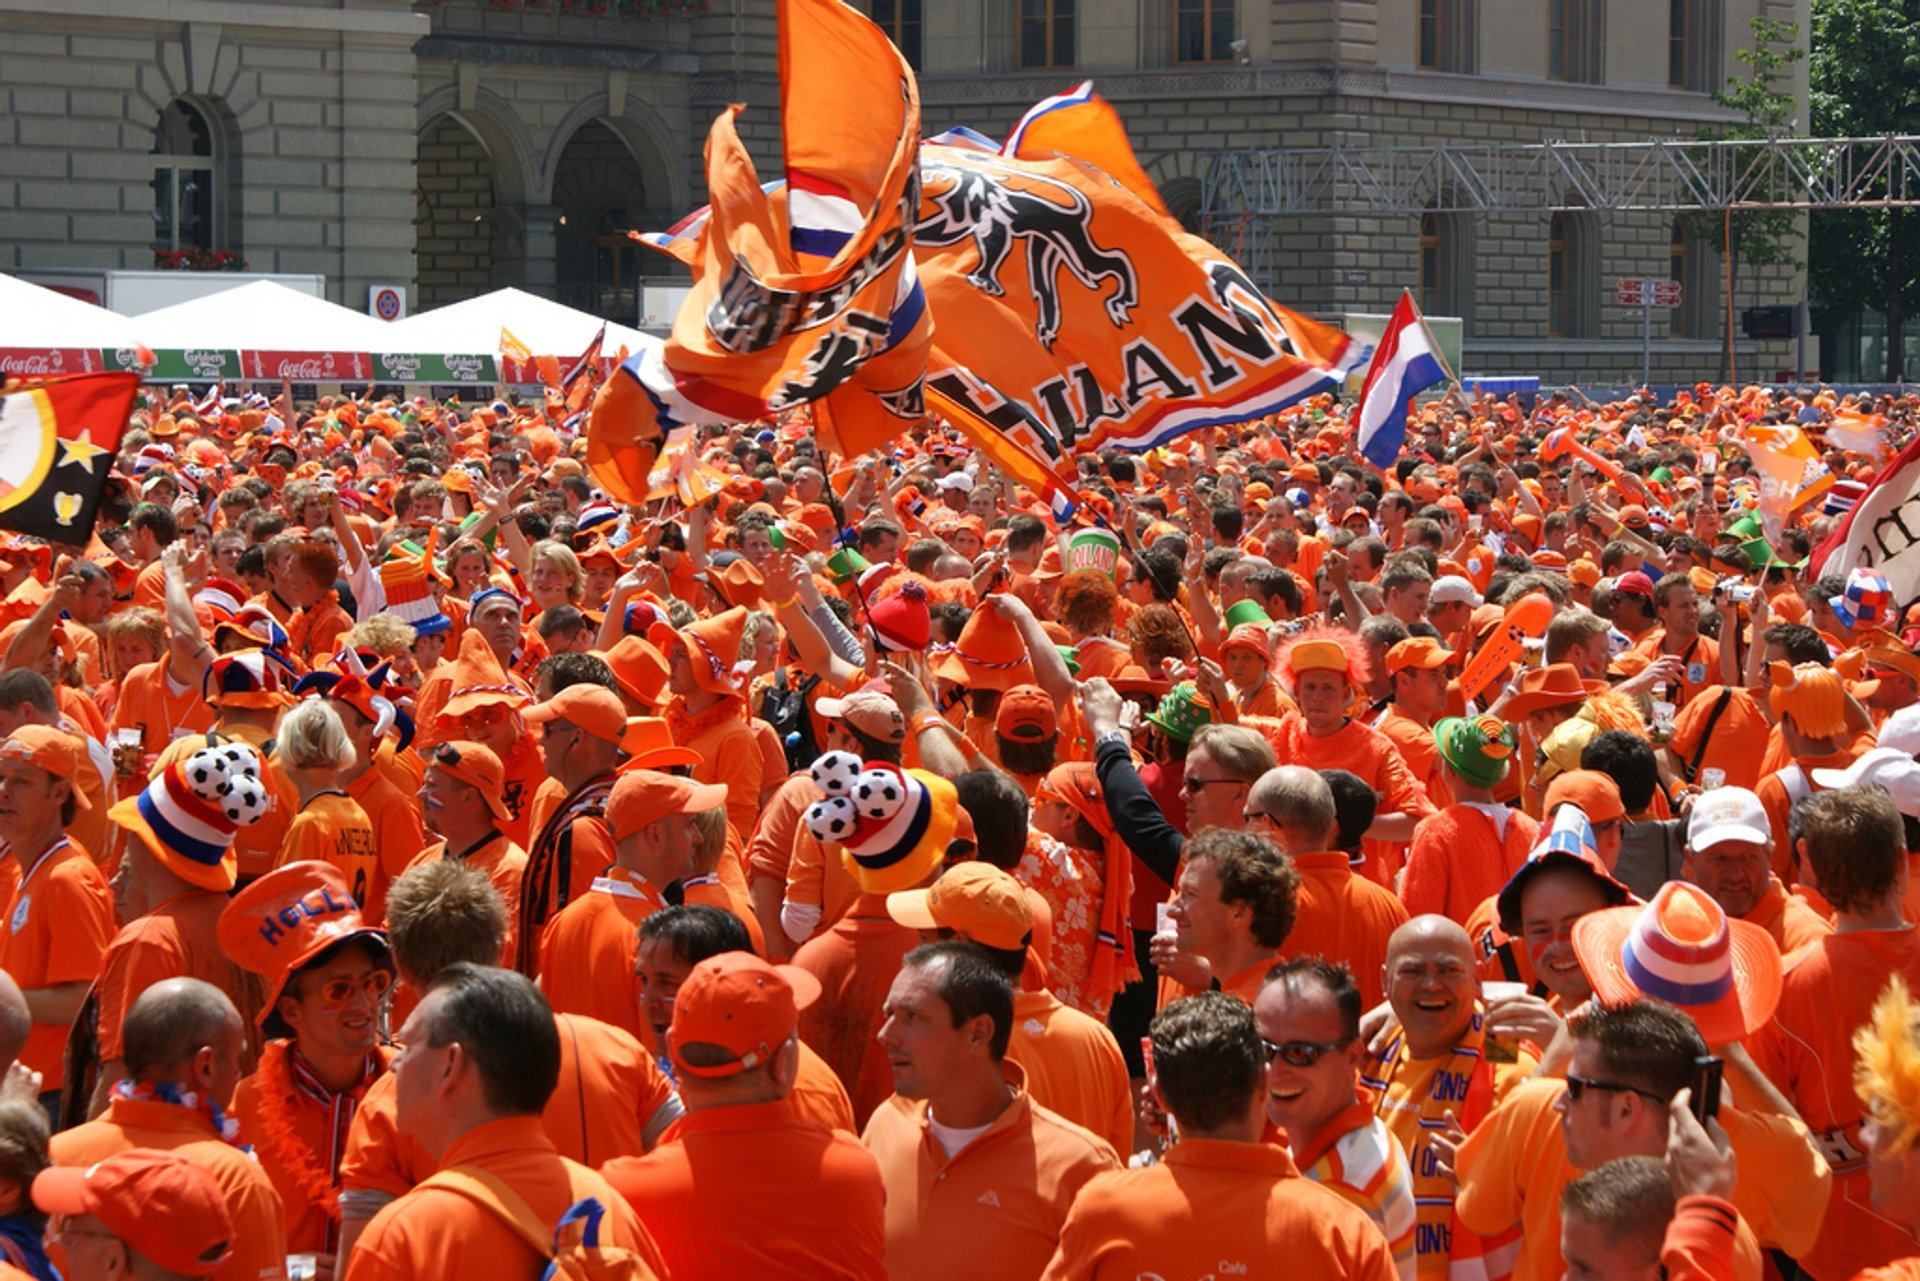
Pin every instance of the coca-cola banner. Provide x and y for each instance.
(307, 366)
(47, 362)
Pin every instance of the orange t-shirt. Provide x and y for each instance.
(1699, 663)
(434, 1232)
(1371, 756)
(333, 828)
(1216, 1208)
(1789, 920)
(993, 1209)
(1415, 743)
(1073, 1066)
(502, 860)
(259, 1230)
(1345, 918)
(1738, 742)
(1514, 1166)
(149, 703)
(1459, 858)
(856, 962)
(1778, 799)
(818, 1095)
(587, 951)
(174, 939)
(398, 836)
(1807, 1050)
(57, 929)
(800, 1200)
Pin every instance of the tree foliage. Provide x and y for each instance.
(1864, 82)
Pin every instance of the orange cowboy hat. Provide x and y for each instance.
(1683, 950)
(1554, 685)
(640, 669)
(287, 920)
(710, 646)
(988, 655)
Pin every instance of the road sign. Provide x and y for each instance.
(1646, 292)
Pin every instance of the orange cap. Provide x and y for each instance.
(1026, 715)
(1422, 652)
(739, 1005)
(978, 900)
(166, 1209)
(642, 797)
(46, 748)
(475, 765)
(1595, 793)
(594, 708)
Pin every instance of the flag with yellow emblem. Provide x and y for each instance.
(58, 439)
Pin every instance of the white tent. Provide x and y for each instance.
(33, 318)
(546, 327)
(265, 316)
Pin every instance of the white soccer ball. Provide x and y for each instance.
(244, 800)
(835, 772)
(832, 820)
(878, 793)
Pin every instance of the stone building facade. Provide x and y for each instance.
(462, 145)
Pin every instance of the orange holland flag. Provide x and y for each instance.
(1789, 468)
(805, 294)
(1074, 315)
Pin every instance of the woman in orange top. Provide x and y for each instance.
(330, 826)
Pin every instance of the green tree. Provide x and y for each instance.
(1755, 237)
(1864, 82)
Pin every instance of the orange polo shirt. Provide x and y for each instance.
(1073, 1066)
(1807, 1050)
(587, 951)
(995, 1208)
(175, 939)
(333, 828)
(818, 1095)
(56, 930)
(1699, 663)
(1221, 1209)
(1514, 1166)
(1343, 917)
(1788, 919)
(728, 754)
(800, 1200)
(259, 1232)
(436, 1232)
(149, 703)
(1415, 743)
(1371, 756)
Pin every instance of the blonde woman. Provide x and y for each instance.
(556, 577)
(330, 826)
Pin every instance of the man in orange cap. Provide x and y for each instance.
(61, 918)
(183, 1041)
(143, 1213)
(481, 1063)
(325, 974)
(978, 1176)
(1417, 667)
(707, 710)
(173, 882)
(1072, 1063)
(463, 807)
(582, 727)
(26, 698)
(736, 1054)
(587, 952)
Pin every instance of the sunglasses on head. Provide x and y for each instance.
(1302, 1054)
(338, 991)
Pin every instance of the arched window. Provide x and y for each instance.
(1446, 263)
(1573, 275)
(188, 210)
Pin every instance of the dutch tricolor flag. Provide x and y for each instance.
(1404, 364)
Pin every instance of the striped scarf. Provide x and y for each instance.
(547, 883)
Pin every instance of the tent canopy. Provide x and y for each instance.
(266, 316)
(546, 327)
(35, 318)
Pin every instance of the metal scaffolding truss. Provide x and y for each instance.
(1666, 175)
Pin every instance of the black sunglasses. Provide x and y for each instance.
(1579, 1085)
(1302, 1054)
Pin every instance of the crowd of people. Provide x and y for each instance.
(1496, 866)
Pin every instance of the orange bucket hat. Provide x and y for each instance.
(288, 919)
(988, 655)
(479, 680)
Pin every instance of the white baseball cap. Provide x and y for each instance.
(1901, 731)
(1449, 588)
(1884, 767)
(955, 480)
(1727, 814)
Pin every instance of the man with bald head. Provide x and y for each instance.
(181, 1042)
(1342, 917)
(1434, 1071)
